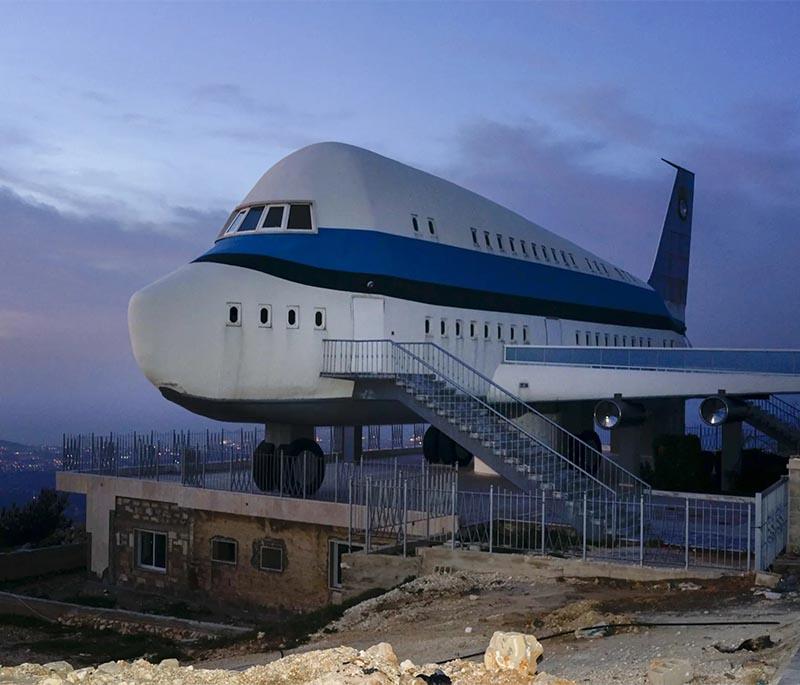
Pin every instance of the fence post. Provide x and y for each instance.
(686, 536)
(336, 475)
(350, 523)
(280, 475)
(305, 472)
(367, 516)
(405, 515)
(544, 502)
(585, 512)
(758, 536)
(453, 509)
(749, 534)
(641, 530)
(491, 517)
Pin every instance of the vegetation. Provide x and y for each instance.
(34, 523)
(679, 463)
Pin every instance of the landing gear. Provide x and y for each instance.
(585, 460)
(298, 473)
(437, 448)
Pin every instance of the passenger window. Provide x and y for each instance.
(473, 332)
(555, 256)
(597, 339)
(606, 338)
(234, 314)
(624, 340)
(577, 337)
(572, 259)
(564, 258)
(500, 331)
(544, 253)
(511, 333)
(274, 217)
(264, 316)
(458, 328)
(500, 242)
(486, 331)
(616, 340)
(431, 227)
(487, 239)
(511, 245)
(443, 328)
(524, 334)
(523, 247)
(474, 236)
(415, 223)
(299, 218)
(292, 317)
(535, 251)
(427, 325)
(319, 319)
(588, 338)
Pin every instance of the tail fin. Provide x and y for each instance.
(670, 275)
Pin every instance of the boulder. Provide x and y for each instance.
(512, 652)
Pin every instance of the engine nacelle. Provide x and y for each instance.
(719, 409)
(614, 413)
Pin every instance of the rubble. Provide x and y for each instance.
(512, 652)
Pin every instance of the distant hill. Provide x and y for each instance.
(15, 446)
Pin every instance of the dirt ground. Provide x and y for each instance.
(439, 618)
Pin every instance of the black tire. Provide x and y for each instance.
(265, 467)
(439, 449)
(591, 438)
(463, 457)
(305, 467)
(430, 445)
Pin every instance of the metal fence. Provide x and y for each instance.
(397, 503)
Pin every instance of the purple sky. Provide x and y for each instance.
(128, 132)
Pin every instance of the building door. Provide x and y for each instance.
(552, 329)
(369, 357)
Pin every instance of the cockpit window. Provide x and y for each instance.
(299, 218)
(236, 221)
(250, 222)
(274, 218)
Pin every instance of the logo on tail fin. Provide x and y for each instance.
(670, 275)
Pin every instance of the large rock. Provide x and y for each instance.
(512, 652)
(669, 672)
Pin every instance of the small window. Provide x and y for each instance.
(251, 219)
(236, 222)
(512, 333)
(624, 340)
(486, 331)
(271, 558)
(606, 340)
(572, 259)
(487, 239)
(597, 339)
(458, 328)
(473, 329)
(500, 243)
(577, 337)
(415, 223)
(544, 253)
(525, 334)
(616, 340)
(511, 245)
(535, 251)
(474, 236)
(234, 314)
(293, 316)
(299, 218)
(431, 227)
(649, 342)
(223, 551)
(274, 217)
(555, 256)
(588, 338)
(427, 325)
(319, 318)
(523, 247)
(265, 316)
(596, 265)
(151, 550)
(564, 258)
(603, 267)
(589, 264)
(443, 328)
(633, 341)
(641, 341)
(500, 332)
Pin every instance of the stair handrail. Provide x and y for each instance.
(507, 420)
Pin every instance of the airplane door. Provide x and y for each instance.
(368, 325)
(552, 328)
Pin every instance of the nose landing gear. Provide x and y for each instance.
(296, 469)
(439, 449)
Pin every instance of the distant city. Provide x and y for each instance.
(26, 469)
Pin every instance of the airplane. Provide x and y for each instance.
(335, 242)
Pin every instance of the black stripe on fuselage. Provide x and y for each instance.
(438, 294)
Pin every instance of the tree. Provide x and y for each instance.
(34, 521)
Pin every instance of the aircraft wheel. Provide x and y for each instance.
(592, 439)
(463, 457)
(438, 448)
(305, 467)
(265, 467)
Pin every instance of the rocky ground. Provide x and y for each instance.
(449, 620)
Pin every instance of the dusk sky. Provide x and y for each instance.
(129, 131)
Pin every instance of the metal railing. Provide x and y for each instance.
(711, 438)
(660, 359)
(480, 408)
(772, 522)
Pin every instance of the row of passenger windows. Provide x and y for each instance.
(475, 330)
(616, 340)
(291, 217)
(416, 223)
(265, 316)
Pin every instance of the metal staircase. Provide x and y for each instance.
(514, 439)
(776, 419)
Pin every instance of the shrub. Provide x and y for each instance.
(35, 521)
(680, 464)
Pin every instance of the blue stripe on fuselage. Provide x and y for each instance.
(428, 261)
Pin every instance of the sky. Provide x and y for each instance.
(128, 131)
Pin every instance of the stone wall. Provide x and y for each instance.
(794, 506)
(301, 584)
(38, 562)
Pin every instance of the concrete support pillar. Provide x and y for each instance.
(629, 443)
(352, 443)
(732, 441)
(794, 506)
